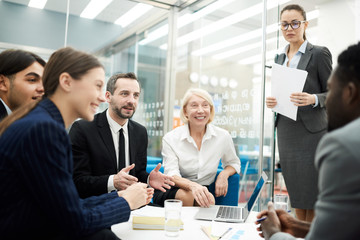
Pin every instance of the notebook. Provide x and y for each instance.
(231, 213)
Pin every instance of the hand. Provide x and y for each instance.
(271, 224)
(150, 194)
(202, 195)
(270, 102)
(287, 222)
(160, 181)
(122, 179)
(302, 99)
(221, 185)
(136, 195)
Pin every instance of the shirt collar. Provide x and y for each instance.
(301, 49)
(8, 110)
(114, 126)
(210, 131)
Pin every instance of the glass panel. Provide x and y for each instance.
(221, 53)
(151, 69)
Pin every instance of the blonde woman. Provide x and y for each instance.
(192, 152)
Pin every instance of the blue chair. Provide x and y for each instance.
(232, 196)
(152, 162)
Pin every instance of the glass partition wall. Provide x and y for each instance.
(222, 46)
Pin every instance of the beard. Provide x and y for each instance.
(118, 112)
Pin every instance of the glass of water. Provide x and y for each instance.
(281, 201)
(172, 217)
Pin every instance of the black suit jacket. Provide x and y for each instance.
(3, 112)
(317, 62)
(94, 154)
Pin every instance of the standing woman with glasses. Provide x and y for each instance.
(298, 139)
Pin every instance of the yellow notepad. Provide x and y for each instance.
(150, 223)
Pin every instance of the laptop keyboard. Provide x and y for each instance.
(229, 212)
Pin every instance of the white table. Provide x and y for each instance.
(192, 228)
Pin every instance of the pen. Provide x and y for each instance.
(263, 218)
(225, 233)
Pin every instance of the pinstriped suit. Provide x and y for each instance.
(298, 139)
(38, 196)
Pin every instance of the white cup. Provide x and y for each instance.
(172, 217)
(281, 201)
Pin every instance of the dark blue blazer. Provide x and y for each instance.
(38, 198)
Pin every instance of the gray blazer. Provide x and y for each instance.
(337, 208)
(317, 62)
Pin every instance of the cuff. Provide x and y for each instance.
(316, 101)
(110, 185)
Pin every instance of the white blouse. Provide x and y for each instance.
(181, 156)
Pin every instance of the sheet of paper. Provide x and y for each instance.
(237, 231)
(284, 82)
(149, 211)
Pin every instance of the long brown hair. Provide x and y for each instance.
(69, 60)
(296, 8)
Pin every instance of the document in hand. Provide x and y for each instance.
(284, 82)
(150, 223)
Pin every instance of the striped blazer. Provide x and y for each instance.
(38, 196)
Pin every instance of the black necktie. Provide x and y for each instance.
(121, 150)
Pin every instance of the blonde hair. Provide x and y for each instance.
(201, 93)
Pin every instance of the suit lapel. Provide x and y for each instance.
(305, 58)
(105, 133)
(280, 59)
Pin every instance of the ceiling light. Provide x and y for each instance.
(94, 8)
(242, 49)
(230, 20)
(185, 20)
(37, 3)
(245, 37)
(130, 16)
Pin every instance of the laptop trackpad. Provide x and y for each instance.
(207, 213)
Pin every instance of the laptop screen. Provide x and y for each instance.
(256, 192)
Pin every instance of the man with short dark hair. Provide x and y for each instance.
(110, 153)
(338, 163)
(20, 79)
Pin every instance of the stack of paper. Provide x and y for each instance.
(150, 223)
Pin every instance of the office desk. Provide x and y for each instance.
(192, 228)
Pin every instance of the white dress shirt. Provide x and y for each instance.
(181, 156)
(115, 128)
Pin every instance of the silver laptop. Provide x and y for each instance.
(231, 213)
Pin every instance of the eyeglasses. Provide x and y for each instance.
(294, 25)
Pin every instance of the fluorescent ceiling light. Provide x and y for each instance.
(37, 3)
(230, 20)
(256, 58)
(242, 49)
(133, 14)
(245, 37)
(185, 20)
(94, 8)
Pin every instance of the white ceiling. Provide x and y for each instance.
(112, 12)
